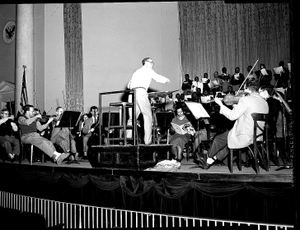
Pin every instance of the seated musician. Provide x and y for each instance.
(89, 130)
(181, 135)
(7, 138)
(241, 134)
(30, 125)
(169, 103)
(62, 136)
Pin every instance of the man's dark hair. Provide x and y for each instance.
(267, 88)
(59, 107)
(4, 110)
(93, 107)
(27, 107)
(145, 59)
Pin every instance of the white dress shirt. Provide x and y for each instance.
(143, 76)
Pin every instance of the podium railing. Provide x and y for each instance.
(134, 130)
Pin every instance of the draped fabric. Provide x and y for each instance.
(261, 202)
(214, 35)
(73, 57)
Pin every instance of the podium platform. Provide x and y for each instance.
(136, 157)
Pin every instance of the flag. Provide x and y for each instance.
(24, 96)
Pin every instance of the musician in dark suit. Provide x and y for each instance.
(7, 138)
(89, 130)
(237, 79)
(282, 78)
(264, 76)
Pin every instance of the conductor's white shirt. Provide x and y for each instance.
(142, 78)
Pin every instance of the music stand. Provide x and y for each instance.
(69, 119)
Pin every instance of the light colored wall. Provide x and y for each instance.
(39, 56)
(54, 58)
(7, 51)
(116, 37)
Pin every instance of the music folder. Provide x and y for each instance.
(197, 109)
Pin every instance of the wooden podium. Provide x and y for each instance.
(136, 157)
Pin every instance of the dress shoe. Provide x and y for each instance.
(203, 164)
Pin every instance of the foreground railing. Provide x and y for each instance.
(86, 216)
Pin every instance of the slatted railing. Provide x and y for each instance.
(85, 216)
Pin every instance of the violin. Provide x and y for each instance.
(45, 118)
(230, 99)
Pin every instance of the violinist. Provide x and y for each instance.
(43, 120)
(62, 136)
(241, 134)
(7, 138)
(30, 125)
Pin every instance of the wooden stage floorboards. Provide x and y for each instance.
(188, 170)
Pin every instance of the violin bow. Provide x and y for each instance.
(247, 77)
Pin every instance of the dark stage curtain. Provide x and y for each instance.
(258, 202)
(73, 98)
(214, 34)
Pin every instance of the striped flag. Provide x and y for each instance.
(24, 96)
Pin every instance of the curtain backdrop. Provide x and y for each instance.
(73, 97)
(214, 34)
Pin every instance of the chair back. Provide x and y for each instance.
(261, 140)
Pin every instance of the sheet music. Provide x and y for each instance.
(278, 70)
(206, 99)
(178, 128)
(197, 109)
(264, 72)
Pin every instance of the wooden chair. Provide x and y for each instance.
(28, 148)
(259, 150)
(188, 146)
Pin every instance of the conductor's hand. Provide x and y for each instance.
(218, 101)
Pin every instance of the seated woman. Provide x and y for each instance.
(183, 130)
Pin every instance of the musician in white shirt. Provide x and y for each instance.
(140, 81)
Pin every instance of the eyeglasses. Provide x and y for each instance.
(5, 113)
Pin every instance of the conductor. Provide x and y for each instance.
(140, 81)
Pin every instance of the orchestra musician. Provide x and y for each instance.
(241, 134)
(29, 123)
(62, 136)
(89, 130)
(7, 138)
(140, 81)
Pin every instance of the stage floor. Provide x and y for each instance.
(188, 170)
